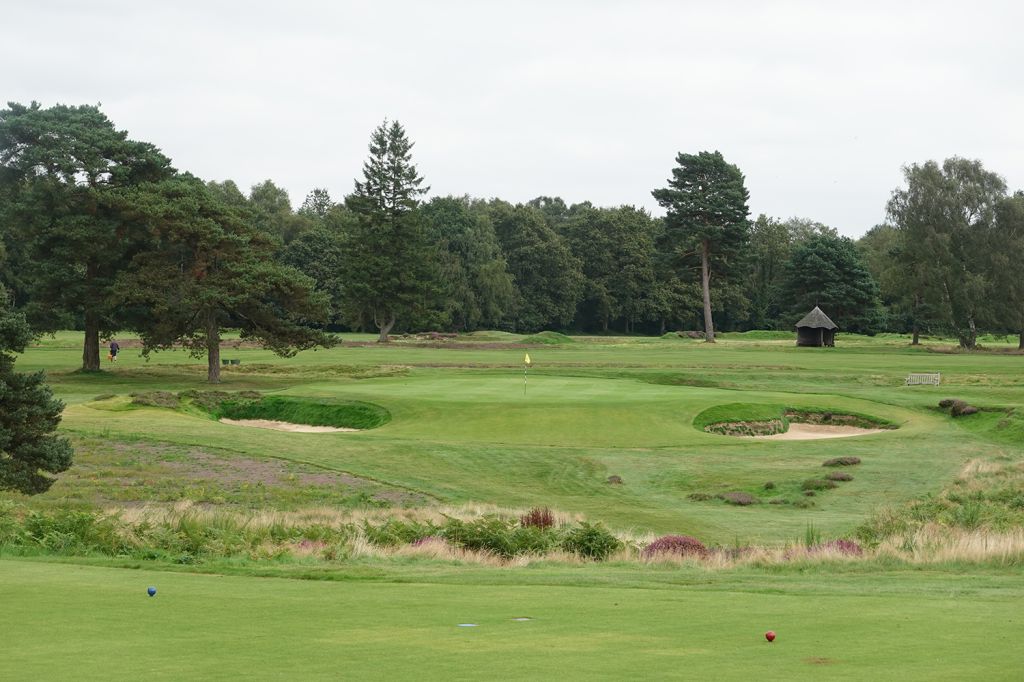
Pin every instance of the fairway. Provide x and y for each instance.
(461, 434)
(221, 627)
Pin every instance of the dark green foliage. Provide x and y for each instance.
(389, 269)
(502, 537)
(350, 415)
(547, 275)
(214, 270)
(395, 532)
(616, 250)
(69, 182)
(479, 291)
(769, 485)
(591, 540)
(29, 415)
(947, 230)
(706, 223)
(827, 271)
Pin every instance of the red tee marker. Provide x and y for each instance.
(770, 635)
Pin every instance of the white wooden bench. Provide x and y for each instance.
(924, 379)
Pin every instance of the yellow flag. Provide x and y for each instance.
(527, 359)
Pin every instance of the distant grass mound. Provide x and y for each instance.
(761, 335)
(549, 339)
(346, 415)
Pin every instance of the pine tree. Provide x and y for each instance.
(29, 415)
(388, 272)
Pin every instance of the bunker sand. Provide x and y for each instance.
(283, 426)
(819, 431)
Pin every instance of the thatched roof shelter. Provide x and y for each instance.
(815, 329)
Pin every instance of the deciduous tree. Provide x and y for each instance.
(945, 217)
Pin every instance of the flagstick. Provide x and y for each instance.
(525, 367)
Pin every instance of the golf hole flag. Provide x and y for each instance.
(527, 359)
(526, 366)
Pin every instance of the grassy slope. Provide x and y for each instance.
(924, 626)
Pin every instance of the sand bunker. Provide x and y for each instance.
(283, 426)
(818, 431)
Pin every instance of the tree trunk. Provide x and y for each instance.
(705, 278)
(969, 341)
(385, 329)
(916, 338)
(91, 349)
(212, 350)
(1020, 344)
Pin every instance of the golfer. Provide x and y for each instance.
(114, 347)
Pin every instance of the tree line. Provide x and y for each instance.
(103, 234)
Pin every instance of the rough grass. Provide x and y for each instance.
(351, 414)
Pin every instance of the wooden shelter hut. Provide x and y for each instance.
(815, 329)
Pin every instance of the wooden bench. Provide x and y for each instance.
(924, 379)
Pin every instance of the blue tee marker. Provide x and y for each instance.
(151, 591)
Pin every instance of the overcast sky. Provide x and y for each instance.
(819, 104)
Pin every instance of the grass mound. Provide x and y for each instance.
(738, 412)
(549, 339)
(348, 415)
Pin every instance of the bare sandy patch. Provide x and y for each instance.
(284, 426)
(819, 431)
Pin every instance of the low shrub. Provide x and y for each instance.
(615, 480)
(957, 408)
(680, 545)
(739, 499)
(841, 462)
(538, 517)
(847, 547)
(964, 411)
(699, 497)
(809, 493)
(769, 485)
(839, 476)
(947, 403)
(395, 532)
(505, 538)
(817, 484)
(591, 540)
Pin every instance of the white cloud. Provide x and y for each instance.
(819, 104)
